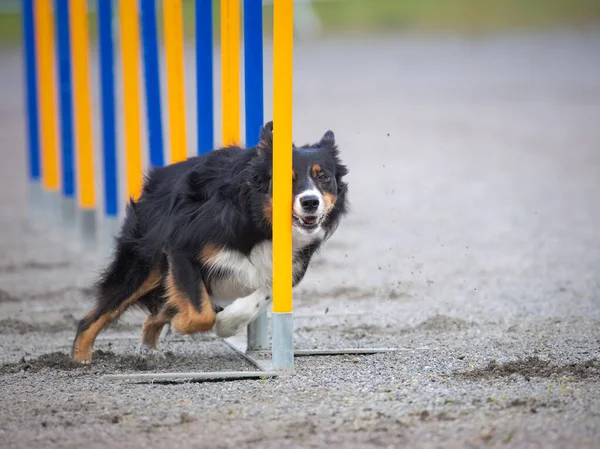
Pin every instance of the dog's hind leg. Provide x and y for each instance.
(154, 302)
(100, 318)
(126, 280)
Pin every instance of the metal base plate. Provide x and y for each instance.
(261, 359)
(214, 375)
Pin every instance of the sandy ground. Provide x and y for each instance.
(473, 240)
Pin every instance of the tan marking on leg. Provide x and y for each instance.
(82, 350)
(315, 170)
(84, 343)
(330, 200)
(188, 320)
(294, 176)
(153, 326)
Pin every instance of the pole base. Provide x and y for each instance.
(51, 208)
(36, 201)
(110, 229)
(69, 215)
(258, 333)
(87, 224)
(283, 341)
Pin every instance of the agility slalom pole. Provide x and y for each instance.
(258, 331)
(173, 26)
(130, 53)
(47, 95)
(230, 71)
(31, 99)
(65, 89)
(107, 92)
(152, 83)
(83, 120)
(253, 69)
(204, 76)
(282, 318)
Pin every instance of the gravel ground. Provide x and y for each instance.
(473, 240)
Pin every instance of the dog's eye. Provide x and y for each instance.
(323, 177)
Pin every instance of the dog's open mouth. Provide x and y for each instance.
(308, 222)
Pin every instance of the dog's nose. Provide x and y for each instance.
(310, 203)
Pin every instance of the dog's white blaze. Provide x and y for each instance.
(313, 191)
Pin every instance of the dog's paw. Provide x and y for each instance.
(228, 328)
(150, 353)
(229, 324)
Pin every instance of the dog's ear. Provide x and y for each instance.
(340, 171)
(265, 140)
(328, 140)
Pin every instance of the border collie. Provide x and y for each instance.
(195, 249)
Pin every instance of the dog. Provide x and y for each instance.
(195, 250)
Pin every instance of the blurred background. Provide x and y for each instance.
(471, 131)
(389, 16)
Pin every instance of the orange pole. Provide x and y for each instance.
(130, 51)
(44, 32)
(173, 22)
(230, 70)
(83, 104)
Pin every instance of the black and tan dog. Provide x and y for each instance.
(195, 249)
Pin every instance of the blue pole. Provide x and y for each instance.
(63, 37)
(258, 334)
(33, 130)
(107, 88)
(253, 69)
(204, 75)
(152, 82)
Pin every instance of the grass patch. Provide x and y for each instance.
(10, 28)
(373, 16)
(455, 15)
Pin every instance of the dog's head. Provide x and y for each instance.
(318, 189)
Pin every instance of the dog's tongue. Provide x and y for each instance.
(309, 219)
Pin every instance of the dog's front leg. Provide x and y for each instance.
(241, 312)
(187, 296)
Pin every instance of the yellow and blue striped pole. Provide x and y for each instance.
(282, 318)
(130, 53)
(230, 71)
(46, 82)
(173, 26)
(83, 119)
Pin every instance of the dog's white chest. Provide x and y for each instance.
(244, 273)
(248, 273)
